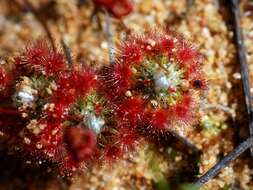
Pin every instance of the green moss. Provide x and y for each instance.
(88, 103)
(189, 187)
(172, 153)
(160, 181)
(162, 184)
(209, 125)
(226, 187)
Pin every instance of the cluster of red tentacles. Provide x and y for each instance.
(73, 115)
(155, 74)
(118, 8)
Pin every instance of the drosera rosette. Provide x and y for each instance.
(164, 70)
(45, 92)
(26, 82)
(77, 100)
(63, 137)
(108, 121)
(105, 119)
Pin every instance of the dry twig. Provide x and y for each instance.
(67, 53)
(26, 4)
(225, 161)
(248, 103)
(243, 64)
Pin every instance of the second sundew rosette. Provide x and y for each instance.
(163, 71)
(84, 113)
(65, 117)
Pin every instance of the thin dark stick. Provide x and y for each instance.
(39, 18)
(243, 64)
(67, 53)
(184, 141)
(225, 161)
(248, 103)
(109, 34)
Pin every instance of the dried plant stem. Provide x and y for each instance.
(37, 15)
(243, 64)
(67, 53)
(184, 140)
(109, 36)
(225, 161)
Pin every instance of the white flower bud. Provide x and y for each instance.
(161, 82)
(24, 97)
(94, 123)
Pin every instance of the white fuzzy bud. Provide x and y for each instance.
(94, 123)
(25, 97)
(161, 82)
